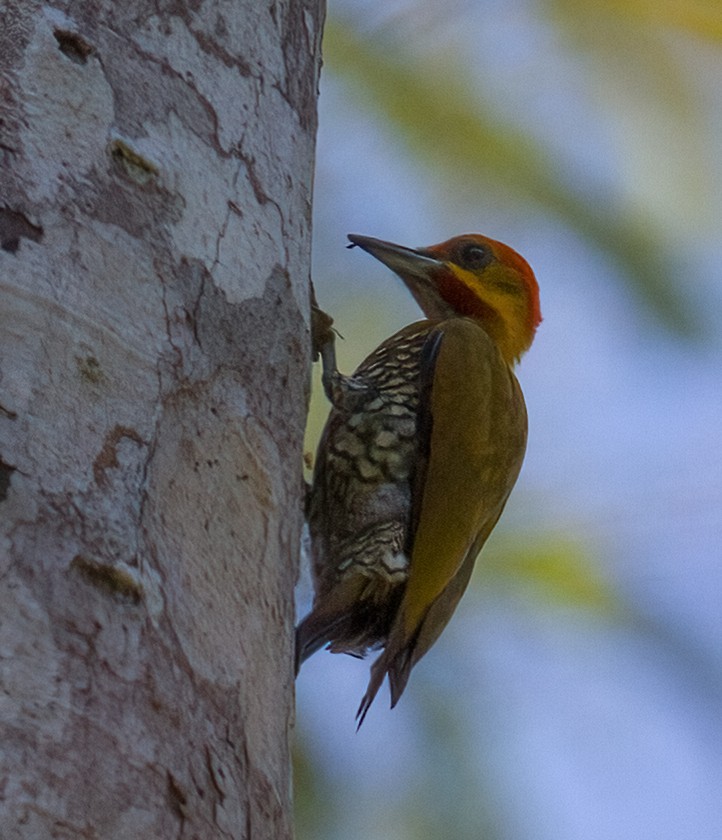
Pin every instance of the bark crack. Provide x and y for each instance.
(231, 208)
(107, 458)
(73, 46)
(6, 474)
(15, 226)
(145, 472)
(112, 579)
(178, 801)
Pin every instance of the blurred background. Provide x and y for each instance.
(577, 693)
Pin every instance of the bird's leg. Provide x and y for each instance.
(323, 342)
(322, 332)
(344, 392)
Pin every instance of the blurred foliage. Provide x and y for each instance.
(553, 570)
(316, 803)
(701, 18)
(438, 109)
(432, 103)
(462, 805)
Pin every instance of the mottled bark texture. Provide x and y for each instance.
(154, 228)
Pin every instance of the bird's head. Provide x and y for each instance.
(470, 276)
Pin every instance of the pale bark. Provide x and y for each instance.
(155, 224)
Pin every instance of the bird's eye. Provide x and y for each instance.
(475, 256)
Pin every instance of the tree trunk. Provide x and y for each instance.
(155, 226)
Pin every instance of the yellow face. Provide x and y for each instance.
(489, 282)
(470, 276)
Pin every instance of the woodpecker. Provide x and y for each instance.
(422, 447)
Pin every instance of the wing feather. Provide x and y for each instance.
(472, 427)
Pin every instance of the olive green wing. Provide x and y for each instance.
(472, 437)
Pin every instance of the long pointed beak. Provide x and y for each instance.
(406, 262)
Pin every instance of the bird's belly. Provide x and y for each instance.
(361, 502)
